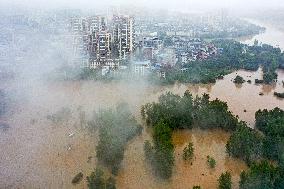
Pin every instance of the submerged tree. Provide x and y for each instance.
(196, 187)
(239, 80)
(211, 162)
(245, 143)
(188, 151)
(262, 175)
(116, 128)
(213, 114)
(271, 124)
(96, 181)
(184, 112)
(225, 181)
(174, 110)
(160, 155)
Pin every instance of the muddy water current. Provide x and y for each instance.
(37, 153)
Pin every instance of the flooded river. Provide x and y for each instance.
(36, 153)
(272, 36)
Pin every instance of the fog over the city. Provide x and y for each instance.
(62, 68)
(183, 5)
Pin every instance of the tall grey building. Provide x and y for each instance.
(123, 35)
(105, 43)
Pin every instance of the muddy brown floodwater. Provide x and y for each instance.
(185, 175)
(35, 153)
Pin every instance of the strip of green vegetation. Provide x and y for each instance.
(160, 155)
(225, 181)
(266, 142)
(96, 181)
(245, 143)
(116, 128)
(258, 148)
(262, 175)
(271, 124)
(234, 56)
(184, 112)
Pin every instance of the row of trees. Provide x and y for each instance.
(262, 175)
(96, 181)
(185, 112)
(245, 143)
(213, 114)
(271, 124)
(161, 154)
(176, 112)
(116, 128)
(267, 141)
(258, 147)
(225, 181)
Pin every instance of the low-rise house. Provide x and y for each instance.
(167, 57)
(141, 68)
(112, 63)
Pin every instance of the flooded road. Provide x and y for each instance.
(37, 153)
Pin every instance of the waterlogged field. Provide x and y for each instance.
(37, 152)
(186, 173)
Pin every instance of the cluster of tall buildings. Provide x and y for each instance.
(103, 41)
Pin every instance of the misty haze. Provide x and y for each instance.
(148, 94)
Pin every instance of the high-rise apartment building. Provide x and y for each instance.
(80, 35)
(105, 43)
(123, 35)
